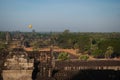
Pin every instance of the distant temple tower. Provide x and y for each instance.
(22, 37)
(8, 37)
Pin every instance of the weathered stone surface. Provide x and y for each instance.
(17, 74)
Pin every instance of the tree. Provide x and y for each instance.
(109, 52)
(103, 45)
(2, 35)
(97, 53)
(63, 56)
(35, 45)
(83, 57)
(76, 47)
(2, 46)
(66, 31)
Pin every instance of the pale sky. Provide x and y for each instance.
(58, 15)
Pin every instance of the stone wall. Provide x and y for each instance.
(89, 64)
(17, 74)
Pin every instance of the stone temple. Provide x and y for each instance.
(42, 65)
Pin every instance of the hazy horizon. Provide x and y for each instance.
(58, 15)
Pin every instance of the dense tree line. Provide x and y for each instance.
(2, 35)
(115, 43)
(95, 44)
(73, 40)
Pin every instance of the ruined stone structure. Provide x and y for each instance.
(17, 65)
(51, 69)
(46, 67)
